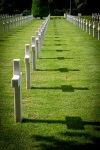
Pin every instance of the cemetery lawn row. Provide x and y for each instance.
(62, 109)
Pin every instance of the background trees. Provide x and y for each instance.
(40, 8)
(14, 6)
(57, 7)
(86, 6)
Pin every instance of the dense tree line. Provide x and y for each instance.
(55, 6)
(40, 8)
(84, 6)
(14, 6)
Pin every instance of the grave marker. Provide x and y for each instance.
(86, 25)
(89, 27)
(34, 53)
(39, 33)
(37, 43)
(4, 27)
(83, 24)
(16, 84)
(27, 66)
(99, 31)
(94, 28)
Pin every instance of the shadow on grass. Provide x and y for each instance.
(70, 88)
(59, 69)
(57, 40)
(62, 50)
(67, 70)
(56, 50)
(59, 58)
(72, 138)
(60, 44)
(10, 138)
(50, 40)
(75, 123)
(57, 37)
(54, 143)
(43, 121)
(64, 88)
(2, 40)
(5, 38)
(50, 37)
(54, 44)
(72, 123)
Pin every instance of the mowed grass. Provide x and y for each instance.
(62, 109)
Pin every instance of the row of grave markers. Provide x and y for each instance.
(95, 17)
(91, 27)
(10, 22)
(37, 41)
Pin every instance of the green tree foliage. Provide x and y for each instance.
(14, 6)
(40, 8)
(7, 6)
(87, 6)
(80, 6)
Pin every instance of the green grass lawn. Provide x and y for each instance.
(87, 17)
(62, 110)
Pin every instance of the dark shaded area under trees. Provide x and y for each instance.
(57, 7)
(15, 6)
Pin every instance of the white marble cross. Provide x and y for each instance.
(37, 43)
(99, 31)
(16, 84)
(27, 66)
(34, 53)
